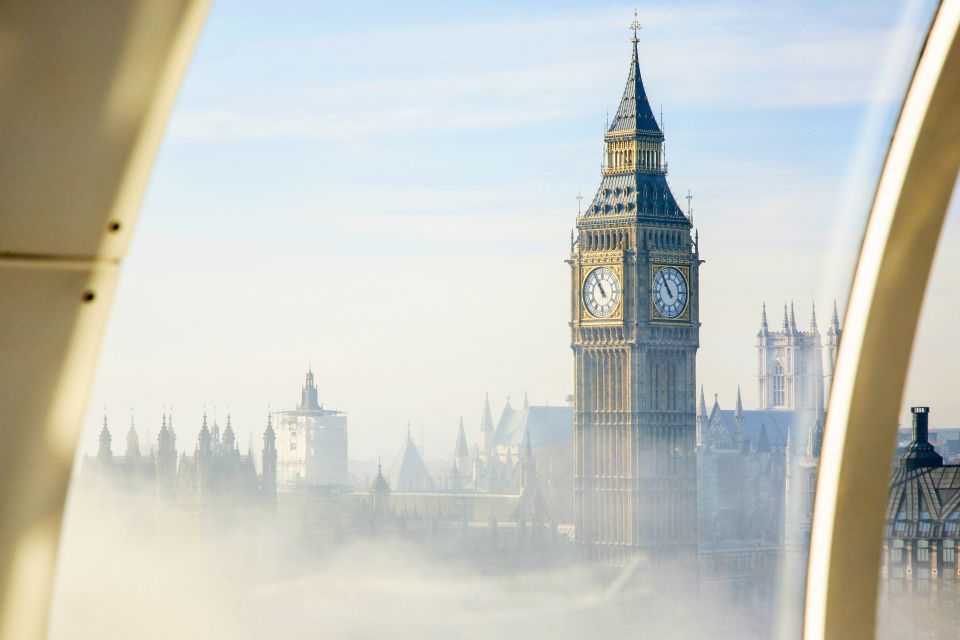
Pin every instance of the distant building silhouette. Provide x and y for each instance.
(215, 473)
(311, 443)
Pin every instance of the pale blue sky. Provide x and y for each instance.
(388, 190)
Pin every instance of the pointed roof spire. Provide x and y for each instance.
(133, 441)
(486, 422)
(786, 320)
(793, 319)
(763, 319)
(739, 411)
(834, 321)
(461, 450)
(634, 113)
(702, 409)
(813, 318)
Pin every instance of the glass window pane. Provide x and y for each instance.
(351, 389)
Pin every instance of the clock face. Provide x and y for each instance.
(669, 292)
(601, 292)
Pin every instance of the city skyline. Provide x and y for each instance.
(297, 221)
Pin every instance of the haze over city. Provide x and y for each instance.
(333, 192)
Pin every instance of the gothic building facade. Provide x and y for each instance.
(215, 472)
(635, 332)
(757, 467)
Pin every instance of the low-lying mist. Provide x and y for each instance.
(130, 570)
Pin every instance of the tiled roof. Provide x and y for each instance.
(634, 112)
(636, 195)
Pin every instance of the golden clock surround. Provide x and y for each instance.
(655, 315)
(590, 262)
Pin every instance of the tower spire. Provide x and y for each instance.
(739, 411)
(835, 321)
(763, 319)
(793, 319)
(813, 318)
(786, 320)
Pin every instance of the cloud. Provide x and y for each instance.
(517, 71)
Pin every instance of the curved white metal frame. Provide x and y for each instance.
(885, 301)
(85, 92)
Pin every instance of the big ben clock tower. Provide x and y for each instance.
(635, 332)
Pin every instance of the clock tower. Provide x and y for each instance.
(635, 332)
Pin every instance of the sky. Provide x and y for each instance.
(386, 194)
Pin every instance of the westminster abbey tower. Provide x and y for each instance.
(635, 332)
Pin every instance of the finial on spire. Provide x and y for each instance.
(689, 193)
(579, 202)
(635, 25)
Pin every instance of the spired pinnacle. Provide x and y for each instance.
(786, 320)
(763, 318)
(813, 318)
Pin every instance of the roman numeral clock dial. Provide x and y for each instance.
(601, 292)
(669, 292)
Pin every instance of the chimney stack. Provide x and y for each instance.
(920, 453)
(920, 425)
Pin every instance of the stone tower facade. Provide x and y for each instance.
(635, 333)
(790, 365)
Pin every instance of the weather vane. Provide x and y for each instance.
(635, 25)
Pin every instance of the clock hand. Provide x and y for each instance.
(603, 291)
(666, 284)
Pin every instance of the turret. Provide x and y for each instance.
(461, 456)
(133, 443)
(105, 452)
(308, 395)
(229, 443)
(486, 425)
(166, 452)
(204, 439)
(701, 417)
(380, 493)
(268, 482)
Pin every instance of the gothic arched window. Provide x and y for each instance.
(779, 398)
